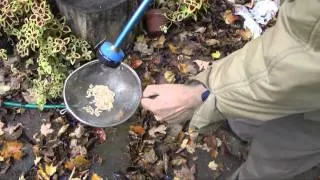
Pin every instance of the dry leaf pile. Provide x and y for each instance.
(157, 154)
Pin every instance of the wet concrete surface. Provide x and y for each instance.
(114, 151)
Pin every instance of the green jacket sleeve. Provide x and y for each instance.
(272, 76)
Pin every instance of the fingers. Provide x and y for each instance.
(149, 104)
(151, 90)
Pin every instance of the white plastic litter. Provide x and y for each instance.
(249, 22)
(261, 13)
(264, 11)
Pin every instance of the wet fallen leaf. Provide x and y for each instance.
(96, 177)
(50, 169)
(101, 134)
(22, 177)
(200, 30)
(150, 156)
(169, 76)
(177, 161)
(213, 166)
(211, 42)
(37, 160)
(36, 150)
(30, 95)
(78, 150)
(245, 34)
(13, 132)
(173, 49)
(216, 55)
(141, 46)
(159, 42)
(191, 147)
(214, 153)
(183, 68)
(12, 149)
(1, 128)
(219, 142)
(63, 129)
(203, 65)
(136, 63)
(11, 128)
(204, 147)
(45, 129)
(184, 143)
(42, 174)
(160, 129)
(78, 132)
(4, 89)
(229, 18)
(141, 38)
(137, 129)
(187, 51)
(78, 162)
(185, 173)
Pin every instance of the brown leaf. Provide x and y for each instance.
(150, 156)
(12, 149)
(1, 128)
(78, 162)
(136, 63)
(177, 161)
(13, 132)
(101, 134)
(159, 42)
(187, 51)
(185, 173)
(63, 129)
(200, 30)
(211, 141)
(183, 68)
(173, 49)
(137, 129)
(30, 96)
(229, 18)
(214, 153)
(78, 132)
(45, 129)
(36, 150)
(160, 129)
(96, 177)
(245, 34)
(211, 42)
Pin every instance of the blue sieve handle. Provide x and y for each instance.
(132, 22)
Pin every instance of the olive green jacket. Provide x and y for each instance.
(275, 75)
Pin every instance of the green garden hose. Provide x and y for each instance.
(31, 106)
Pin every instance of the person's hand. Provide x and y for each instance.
(173, 103)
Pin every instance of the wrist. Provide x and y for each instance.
(202, 93)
